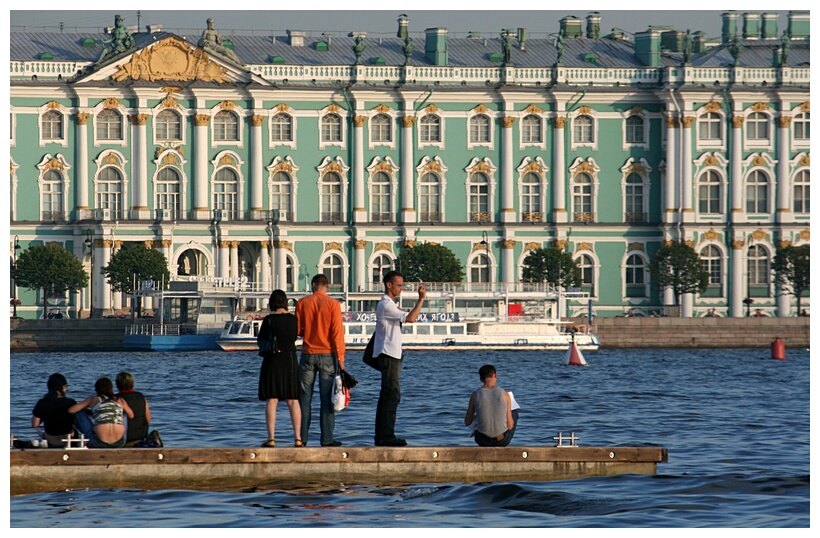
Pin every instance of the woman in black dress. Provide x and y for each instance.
(279, 376)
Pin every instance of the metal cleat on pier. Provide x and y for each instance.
(572, 439)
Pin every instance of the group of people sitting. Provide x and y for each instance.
(105, 419)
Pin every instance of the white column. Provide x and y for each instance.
(736, 160)
(81, 137)
(507, 205)
(408, 212)
(102, 291)
(783, 301)
(736, 293)
(223, 261)
(140, 157)
(670, 184)
(360, 266)
(234, 269)
(559, 181)
(116, 296)
(256, 165)
(280, 275)
(508, 260)
(77, 296)
(687, 305)
(264, 266)
(686, 171)
(784, 213)
(201, 210)
(359, 210)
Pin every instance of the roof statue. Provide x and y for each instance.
(735, 49)
(211, 41)
(687, 48)
(408, 49)
(559, 46)
(120, 41)
(358, 49)
(785, 47)
(506, 46)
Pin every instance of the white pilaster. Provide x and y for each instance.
(670, 181)
(408, 212)
(264, 266)
(559, 182)
(686, 172)
(234, 269)
(201, 210)
(507, 206)
(81, 136)
(736, 293)
(223, 261)
(256, 165)
(508, 260)
(102, 290)
(359, 210)
(784, 212)
(736, 160)
(360, 269)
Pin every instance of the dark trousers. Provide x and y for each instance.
(389, 398)
(483, 440)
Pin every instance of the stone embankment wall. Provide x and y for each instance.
(701, 332)
(30, 335)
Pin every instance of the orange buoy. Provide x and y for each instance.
(778, 349)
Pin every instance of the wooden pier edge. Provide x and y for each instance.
(41, 470)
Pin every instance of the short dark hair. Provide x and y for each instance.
(391, 275)
(125, 381)
(320, 280)
(56, 382)
(278, 299)
(486, 371)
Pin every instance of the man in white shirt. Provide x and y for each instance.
(387, 350)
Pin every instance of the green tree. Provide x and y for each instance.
(428, 262)
(50, 268)
(678, 266)
(135, 263)
(792, 271)
(552, 265)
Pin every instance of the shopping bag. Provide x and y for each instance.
(340, 397)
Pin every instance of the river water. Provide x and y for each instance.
(736, 424)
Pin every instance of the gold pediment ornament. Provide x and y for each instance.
(481, 109)
(712, 106)
(227, 105)
(282, 107)
(112, 159)
(111, 102)
(384, 109)
(585, 167)
(333, 108)
(533, 109)
(384, 166)
(333, 245)
(171, 59)
(383, 246)
(635, 110)
(636, 168)
(634, 246)
(481, 167)
(53, 105)
(584, 110)
(284, 166)
(54, 164)
(585, 246)
(804, 106)
(334, 167)
(432, 166)
(805, 160)
(758, 235)
(534, 166)
(531, 246)
(711, 235)
(711, 160)
(760, 107)
(559, 123)
(170, 102)
(432, 109)
(805, 235)
(759, 161)
(227, 160)
(170, 159)
(481, 246)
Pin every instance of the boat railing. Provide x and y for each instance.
(173, 329)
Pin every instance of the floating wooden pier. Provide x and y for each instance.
(40, 470)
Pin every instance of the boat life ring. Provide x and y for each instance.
(249, 318)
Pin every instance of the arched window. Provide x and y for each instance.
(802, 126)
(757, 268)
(168, 125)
(530, 197)
(801, 192)
(531, 129)
(635, 277)
(480, 268)
(757, 126)
(226, 126)
(582, 130)
(333, 268)
(380, 267)
(109, 191)
(582, 198)
(757, 192)
(709, 193)
(109, 125)
(192, 262)
(587, 267)
(331, 197)
(711, 261)
(380, 130)
(709, 126)
(634, 198)
(635, 133)
(331, 128)
(226, 187)
(167, 191)
(281, 196)
(290, 271)
(479, 197)
(430, 128)
(430, 198)
(52, 125)
(281, 128)
(480, 129)
(380, 206)
(51, 196)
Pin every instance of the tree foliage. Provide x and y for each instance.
(678, 266)
(552, 265)
(134, 263)
(50, 267)
(793, 271)
(427, 262)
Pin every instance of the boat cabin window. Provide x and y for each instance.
(457, 329)
(354, 329)
(246, 328)
(407, 329)
(439, 329)
(235, 328)
(370, 329)
(423, 329)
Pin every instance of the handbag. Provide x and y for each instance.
(368, 357)
(270, 345)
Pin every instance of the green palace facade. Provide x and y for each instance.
(271, 158)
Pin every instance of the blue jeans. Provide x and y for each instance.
(309, 364)
(483, 440)
(86, 427)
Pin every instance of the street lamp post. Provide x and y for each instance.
(89, 243)
(748, 302)
(14, 285)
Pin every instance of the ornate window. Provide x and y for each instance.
(281, 128)
(583, 130)
(757, 269)
(108, 186)
(332, 266)
(51, 125)
(51, 196)
(430, 198)
(430, 129)
(331, 198)
(109, 125)
(531, 197)
(380, 129)
(635, 277)
(226, 188)
(582, 198)
(587, 267)
(709, 127)
(757, 193)
(712, 262)
(480, 129)
(801, 192)
(479, 268)
(281, 192)
(380, 200)
(757, 126)
(634, 198)
(635, 130)
(709, 193)
(167, 191)
(168, 125)
(331, 128)
(379, 267)
(226, 126)
(531, 129)
(801, 125)
(478, 197)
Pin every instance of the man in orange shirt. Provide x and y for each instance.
(320, 325)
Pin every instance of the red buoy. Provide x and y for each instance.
(778, 349)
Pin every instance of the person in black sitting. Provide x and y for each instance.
(279, 377)
(52, 411)
(137, 427)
